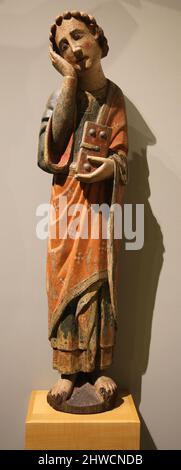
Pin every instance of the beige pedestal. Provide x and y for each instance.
(47, 429)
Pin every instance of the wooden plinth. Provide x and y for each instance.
(47, 429)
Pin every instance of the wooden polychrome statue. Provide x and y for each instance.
(83, 143)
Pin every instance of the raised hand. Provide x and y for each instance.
(61, 65)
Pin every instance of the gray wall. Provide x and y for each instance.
(144, 61)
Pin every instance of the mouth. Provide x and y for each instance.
(78, 61)
(80, 64)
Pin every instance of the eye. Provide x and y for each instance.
(63, 47)
(77, 36)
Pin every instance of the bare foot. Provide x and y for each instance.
(105, 387)
(63, 389)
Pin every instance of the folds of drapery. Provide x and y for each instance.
(86, 333)
(75, 265)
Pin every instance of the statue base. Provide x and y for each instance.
(48, 429)
(84, 399)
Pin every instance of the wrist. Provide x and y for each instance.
(70, 79)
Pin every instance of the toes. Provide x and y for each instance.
(58, 397)
(54, 392)
(61, 397)
(106, 390)
(105, 393)
(110, 389)
(113, 388)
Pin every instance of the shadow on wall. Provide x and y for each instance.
(140, 271)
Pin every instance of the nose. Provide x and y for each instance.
(77, 51)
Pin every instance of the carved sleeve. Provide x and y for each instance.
(57, 126)
(44, 122)
(121, 161)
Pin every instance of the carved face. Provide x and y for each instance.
(77, 44)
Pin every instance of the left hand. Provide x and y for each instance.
(105, 170)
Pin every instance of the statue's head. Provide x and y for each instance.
(78, 39)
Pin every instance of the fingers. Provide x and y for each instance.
(52, 55)
(56, 60)
(103, 172)
(60, 64)
(50, 51)
(92, 177)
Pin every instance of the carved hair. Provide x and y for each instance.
(90, 22)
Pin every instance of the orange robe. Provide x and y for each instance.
(82, 272)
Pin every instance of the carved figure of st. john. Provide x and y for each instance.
(82, 272)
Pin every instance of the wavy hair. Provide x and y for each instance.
(89, 21)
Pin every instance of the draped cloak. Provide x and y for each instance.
(82, 271)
